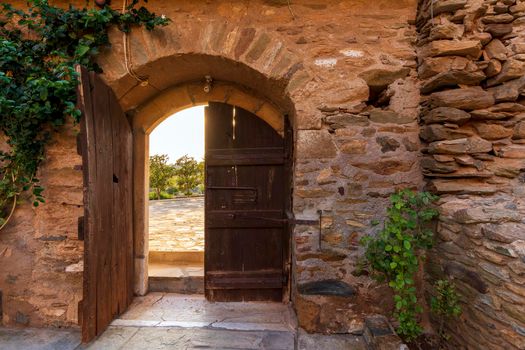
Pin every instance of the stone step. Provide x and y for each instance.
(185, 257)
(182, 285)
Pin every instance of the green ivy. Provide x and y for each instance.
(39, 49)
(393, 255)
(444, 305)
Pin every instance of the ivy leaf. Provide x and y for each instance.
(407, 245)
(81, 50)
(43, 94)
(393, 265)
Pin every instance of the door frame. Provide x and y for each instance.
(145, 118)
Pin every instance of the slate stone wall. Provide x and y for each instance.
(471, 62)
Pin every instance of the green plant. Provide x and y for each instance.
(394, 254)
(162, 195)
(189, 174)
(160, 173)
(39, 49)
(444, 305)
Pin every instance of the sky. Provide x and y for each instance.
(180, 134)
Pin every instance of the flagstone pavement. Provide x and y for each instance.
(161, 321)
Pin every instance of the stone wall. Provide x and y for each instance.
(348, 73)
(345, 70)
(40, 255)
(471, 57)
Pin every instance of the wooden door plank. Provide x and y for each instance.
(118, 265)
(89, 153)
(104, 221)
(288, 189)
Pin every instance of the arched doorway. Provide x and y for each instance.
(248, 197)
(149, 115)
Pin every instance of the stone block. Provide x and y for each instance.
(509, 90)
(466, 98)
(381, 77)
(498, 30)
(385, 116)
(496, 50)
(434, 65)
(354, 147)
(511, 69)
(448, 6)
(437, 132)
(380, 335)
(452, 79)
(446, 115)
(326, 314)
(461, 186)
(314, 144)
(492, 131)
(327, 287)
(465, 48)
(246, 37)
(386, 167)
(461, 146)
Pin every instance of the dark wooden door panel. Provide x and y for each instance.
(245, 225)
(106, 143)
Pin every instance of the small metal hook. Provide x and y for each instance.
(207, 85)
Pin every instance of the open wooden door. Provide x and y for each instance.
(106, 146)
(246, 236)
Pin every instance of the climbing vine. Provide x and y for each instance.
(394, 254)
(39, 48)
(445, 306)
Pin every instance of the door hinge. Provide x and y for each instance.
(302, 222)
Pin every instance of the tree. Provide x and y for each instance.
(190, 174)
(160, 173)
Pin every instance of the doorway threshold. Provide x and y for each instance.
(194, 311)
(176, 272)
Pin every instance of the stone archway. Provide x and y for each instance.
(144, 120)
(341, 169)
(251, 68)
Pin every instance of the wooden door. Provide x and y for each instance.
(106, 148)
(246, 238)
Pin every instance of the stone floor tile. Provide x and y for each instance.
(329, 342)
(39, 339)
(164, 307)
(112, 339)
(176, 224)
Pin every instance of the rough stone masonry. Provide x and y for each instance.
(384, 95)
(471, 63)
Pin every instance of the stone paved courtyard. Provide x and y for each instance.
(176, 224)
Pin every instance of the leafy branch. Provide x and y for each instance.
(39, 49)
(445, 306)
(394, 254)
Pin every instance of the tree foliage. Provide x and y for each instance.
(189, 174)
(39, 49)
(160, 173)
